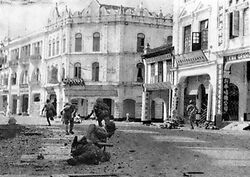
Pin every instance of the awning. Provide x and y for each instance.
(191, 58)
(158, 86)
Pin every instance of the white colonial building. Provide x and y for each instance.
(211, 42)
(82, 56)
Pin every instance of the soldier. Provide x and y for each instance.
(89, 149)
(68, 117)
(49, 111)
(192, 111)
(101, 111)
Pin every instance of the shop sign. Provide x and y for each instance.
(225, 94)
(239, 56)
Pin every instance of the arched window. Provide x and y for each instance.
(169, 40)
(140, 42)
(49, 48)
(95, 71)
(13, 78)
(96, 42)
(54, 75)
(53, 47)
(24, 78)
(78, 42)
(64, 44)
(140, 73)
(37, 74)
(57, 46)
(63, 73)
(77, 70)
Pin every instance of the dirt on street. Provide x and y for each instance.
(138, 151)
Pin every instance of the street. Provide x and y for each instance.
(139, 150)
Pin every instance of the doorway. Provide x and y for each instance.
(233, 102)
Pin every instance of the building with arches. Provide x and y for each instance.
(211, 59)
(83, 55)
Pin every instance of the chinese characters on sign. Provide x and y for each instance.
(225, 94)
(220, 25)
(239, 56)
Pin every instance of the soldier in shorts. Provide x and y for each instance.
(68, 118)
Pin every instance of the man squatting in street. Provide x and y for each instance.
(192, 111)
(68, 117)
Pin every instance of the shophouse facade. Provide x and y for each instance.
(233, 59)
(84, 56)
(158, 83)
(195, 61)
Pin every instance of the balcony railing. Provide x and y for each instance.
(191, 58)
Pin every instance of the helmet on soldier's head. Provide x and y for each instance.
(99, 100)
(110, 127)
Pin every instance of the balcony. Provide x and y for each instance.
(13, 64)
(35, 59)
(192, 58)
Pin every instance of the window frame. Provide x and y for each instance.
(140, 42)
(95, 71)
(77, 70)
(96, 41)
(78, 42)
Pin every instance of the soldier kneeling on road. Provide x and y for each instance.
(91, 148)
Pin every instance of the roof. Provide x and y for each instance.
(164, 49)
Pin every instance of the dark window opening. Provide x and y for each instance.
(37, 97)
(77, 72)
(78, 42)
(95, 71)
(160, 71)
(187, 39)
(140, 42)
(96, 42)
(233, 24)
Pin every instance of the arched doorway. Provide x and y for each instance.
(202, 103)
(233, 102)
(128, 107)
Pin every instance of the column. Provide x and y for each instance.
(143, 112)
(18, 108)
(149, 74)
(209, 102)
(164, 71)
(117, 108)
(165, 116)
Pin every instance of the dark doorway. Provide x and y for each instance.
(25, 103)
(129, 107)
(108, 101)
(14, 105)
(233, 102)
(202, 103)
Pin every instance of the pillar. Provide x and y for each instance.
(143, 112)
(117, 109)
(164, 71)
(29, 111)
(209, 102)
(18, 108)
(165, 116)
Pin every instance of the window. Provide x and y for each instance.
(140, 42)
(95, 71)
(169, 40)
(49, 48)
(96, 42)
(152, 80)
(140, 67)
(63, 73)
(54, 74)
(24, 77)
(246, 22)
(160, 71)
(204, 34)
(187, 39)
(78, 42)
(196, 41)
(233, 24)
(64, 45)
(77, 70)
(13, 78)
(57, 46)
(37, 74)
(37, 97)
(53, 49)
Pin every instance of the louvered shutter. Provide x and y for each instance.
(236, 17)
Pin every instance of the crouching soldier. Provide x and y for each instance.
(91, 149)
(101, 111)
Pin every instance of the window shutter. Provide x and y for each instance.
(236, 16)
(196, 41)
